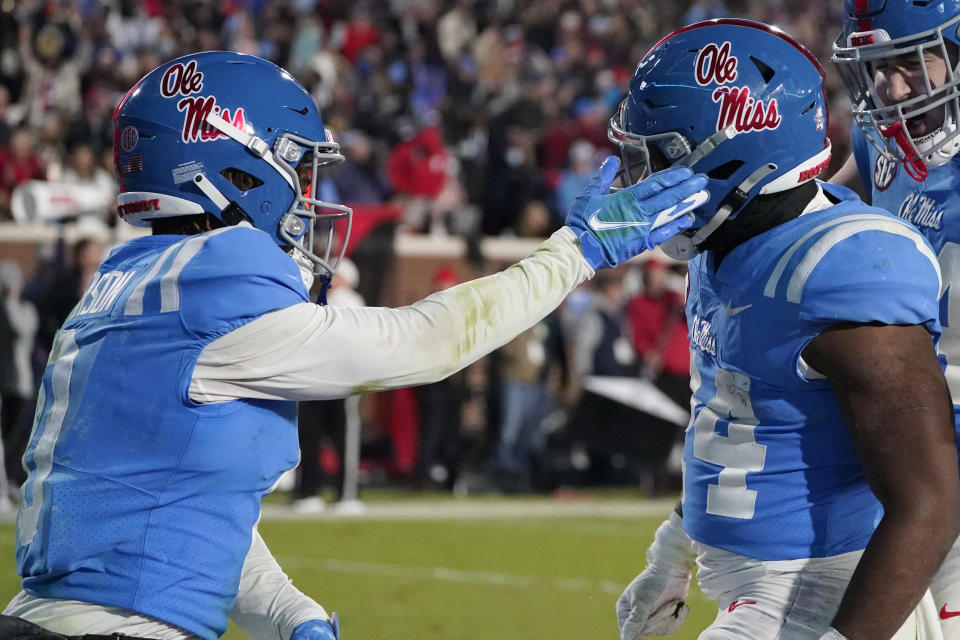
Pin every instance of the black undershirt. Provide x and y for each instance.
(761, 214)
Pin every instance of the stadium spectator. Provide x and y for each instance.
(66, 288)
(476, 69)
(601, 346)
(18, 163)
(440, 413)
(18, 327)
(417, 168)
(528, 366)
(656, 323)
(325, 421)
(574, 179)
(361, 180)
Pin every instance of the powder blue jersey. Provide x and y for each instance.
(770, 468)
(934, 207)
(137, 497)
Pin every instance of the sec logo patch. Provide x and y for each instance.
(129, 138)
(884, 171)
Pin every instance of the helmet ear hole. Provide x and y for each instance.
(725, 170)
(241, 179)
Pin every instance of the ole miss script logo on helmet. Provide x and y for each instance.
(715, 65)
(184, 80)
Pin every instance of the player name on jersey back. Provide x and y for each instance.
(102, 292)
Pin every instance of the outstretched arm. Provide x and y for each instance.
(308, 352)
(888, 383)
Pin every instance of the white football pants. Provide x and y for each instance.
(788, 599)
(946, 594)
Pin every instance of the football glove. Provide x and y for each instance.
(614, 227)
(317, 630)
(653, 604)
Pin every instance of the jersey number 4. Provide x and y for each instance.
(737, 452)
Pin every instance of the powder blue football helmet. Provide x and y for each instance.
(737, 100)
(876, 30)
(193, 119)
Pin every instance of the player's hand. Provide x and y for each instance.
(317, 630)
(653, 604)
(614, 227)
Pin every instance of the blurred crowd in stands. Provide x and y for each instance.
(472, 118)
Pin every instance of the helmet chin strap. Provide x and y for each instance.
(915, 167)
(230, 211)
(684, 247)
(707, 147)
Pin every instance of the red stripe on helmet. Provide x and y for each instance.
(861, 7)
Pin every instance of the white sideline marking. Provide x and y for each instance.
(445, 574)
(484, 509)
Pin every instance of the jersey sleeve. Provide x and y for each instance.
(868, 271)
(237, 274)
(308, 352)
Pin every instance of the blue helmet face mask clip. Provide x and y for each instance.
(175, 144)
(736, 100)
(906, 35)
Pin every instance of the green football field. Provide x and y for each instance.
(477, 569)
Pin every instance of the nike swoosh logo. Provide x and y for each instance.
(732, 311)
(944, 614)
(595, 223)
(737, 603)
(667, 215)
(681, 208)
(302, 111)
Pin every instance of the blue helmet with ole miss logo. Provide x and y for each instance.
(921, 126)
(186, 131)
(737, 100)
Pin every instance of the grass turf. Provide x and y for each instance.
(476, 579)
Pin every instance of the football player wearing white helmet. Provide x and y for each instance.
(168, 407)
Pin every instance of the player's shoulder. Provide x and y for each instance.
(240, 247)
(857, 263)
(234, 273)
(237, 253)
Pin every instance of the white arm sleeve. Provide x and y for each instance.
(309, 352)
(268, 606)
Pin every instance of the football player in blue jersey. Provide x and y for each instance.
(168, 406)
(821, 488)
(899, 59)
